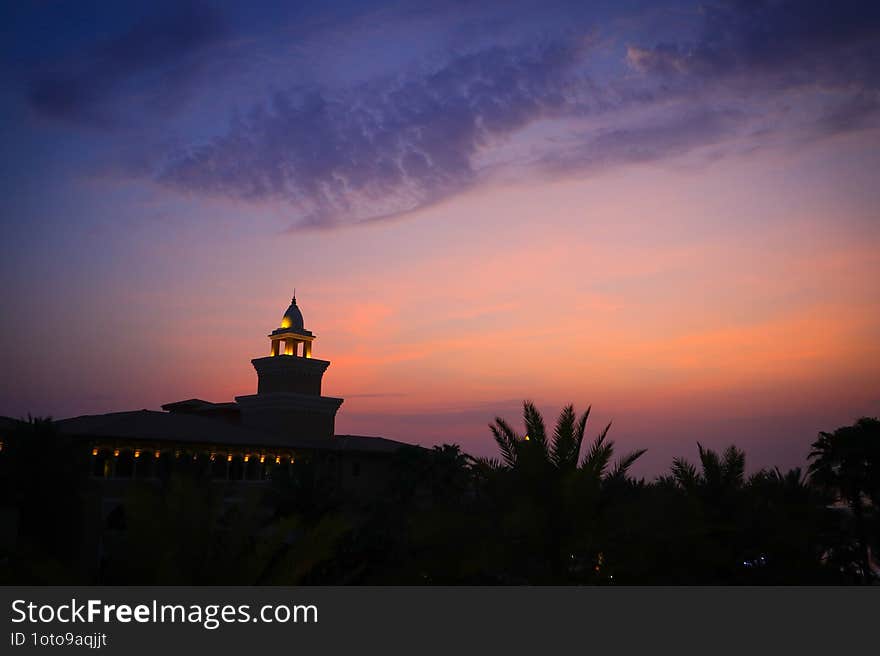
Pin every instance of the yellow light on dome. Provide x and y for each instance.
(526, 438)
(285, 322)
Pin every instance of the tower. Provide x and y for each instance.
(288, 397)
(292, 333)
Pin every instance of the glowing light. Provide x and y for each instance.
(526, 438)
(1, 446)
(229, 458)
(213, 455)
(277, 460)
(115, 453)
(291, 461)
(262, 458)
(285, 322)
(177, 453)
(94, 452)
(156, 453)
(137, 453)
(247, 457)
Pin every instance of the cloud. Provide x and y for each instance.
(385, 146)
(814, 63)
(542, 99)
(661, 137)
(165, 49)
(783, 42)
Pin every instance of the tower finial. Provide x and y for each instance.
(294, 296)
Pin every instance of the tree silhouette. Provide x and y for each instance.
(562, 453)
(552, 499)
(846, 463)
(551, 509)
(43, 487)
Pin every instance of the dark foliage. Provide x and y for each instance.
(552, 510)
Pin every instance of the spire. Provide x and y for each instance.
(293, 300)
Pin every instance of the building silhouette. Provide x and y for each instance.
(287, 426)
(288, 402)
(287, 419)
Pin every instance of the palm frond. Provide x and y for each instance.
(684, 473)
(733, 466)
(506, 439)
(535, 428)
(562, 448)
(711, 463)
(579, 433)
(623, 464)
(484, 464)
(599, 455)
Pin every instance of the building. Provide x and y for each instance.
(285, 434)
(241, 441)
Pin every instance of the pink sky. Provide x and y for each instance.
(667, 209)
(714, 300)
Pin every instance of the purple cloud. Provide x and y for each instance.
(382, 147)
(368, 150)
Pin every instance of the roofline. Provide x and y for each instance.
(260, 438)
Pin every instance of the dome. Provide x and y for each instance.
(293, 318)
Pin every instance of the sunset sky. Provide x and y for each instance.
(668, 210)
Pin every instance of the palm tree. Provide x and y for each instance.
(708, 503)
(562, 453)
(847, 464)
(719, 474)
(553, 497)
